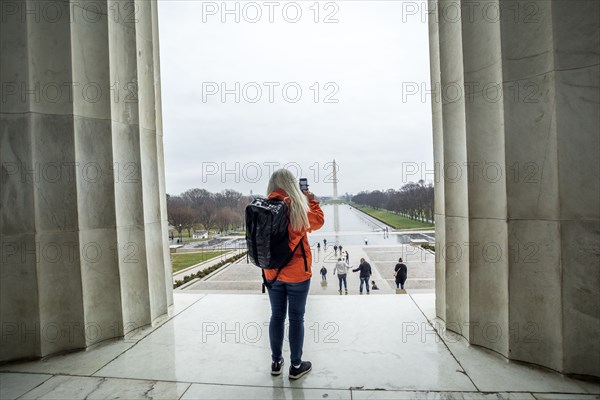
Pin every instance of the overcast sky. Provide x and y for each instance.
(343, 94)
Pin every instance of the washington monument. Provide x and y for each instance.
(335, 181)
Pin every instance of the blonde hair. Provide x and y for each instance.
(283, 179)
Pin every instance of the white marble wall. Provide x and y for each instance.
(83, 210)
(524, 213)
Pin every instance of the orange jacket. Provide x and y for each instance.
(295, 271)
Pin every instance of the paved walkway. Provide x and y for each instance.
(242, 277)
(362, 347)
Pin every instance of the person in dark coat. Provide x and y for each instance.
(323, 273)
(365, 274)
(401, 273)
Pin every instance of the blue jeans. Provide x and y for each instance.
(279, 295)
(342, 278)
(366, 282)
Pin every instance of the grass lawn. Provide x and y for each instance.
(395, 220)
(184, 260)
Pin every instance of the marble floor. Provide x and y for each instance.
(215, 346)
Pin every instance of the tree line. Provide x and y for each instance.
(413, 200)
(197, 208)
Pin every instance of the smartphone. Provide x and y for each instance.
(303, 184)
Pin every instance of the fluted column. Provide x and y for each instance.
(438, 159)
(456, 204)
(530, 286)
(83, 231)
(577, 88)
(160, 155)
(488, 240)
(532, 187)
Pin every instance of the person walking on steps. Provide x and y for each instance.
(325, 243)
(401, 273)
(365, 274)
(341, 268)
(335, 247)
(323, 273)
(289, 285)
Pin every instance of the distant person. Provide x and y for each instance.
(335, 247)
(401, 273)
(347, 257)
(374, 286)
(323, 273)
(319, 246)
(341, 268)
(340, 247)
(366, 241)
(325, 243)
(365, 274)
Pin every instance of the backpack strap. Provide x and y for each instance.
(268, 283)
(253, 236)
(303, 254)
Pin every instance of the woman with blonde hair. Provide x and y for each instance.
(293, 281)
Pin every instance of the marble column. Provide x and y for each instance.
(488, 238)
(83, 215)
(456, 210)
(438, 149)
(526, 132)
(532, 187)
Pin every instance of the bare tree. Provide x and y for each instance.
(179, 213)
(413, 200)
(224, 209)
(225, 217)
(207, 213)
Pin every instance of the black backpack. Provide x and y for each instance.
(267, 236)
